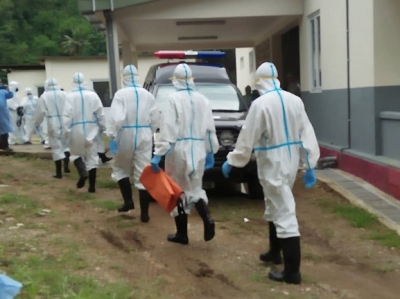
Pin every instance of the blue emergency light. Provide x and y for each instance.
(189, 54)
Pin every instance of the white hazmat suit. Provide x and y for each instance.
(278, 129)
(50, 106)
(133, 120)
(43, 126)
(83, 120)
(30, 104)
(187, 134)
(18, 134)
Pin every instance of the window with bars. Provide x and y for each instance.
(316, 74)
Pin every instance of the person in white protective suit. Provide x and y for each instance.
(83, 120)
(188, 141)
(16, 117)
(30, 104)
(277, 128)
(43, 126)
(50, 107)
(133, 120)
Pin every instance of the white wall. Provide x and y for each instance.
(63, 70)
(387, 42)
(93, 69)
(363, 16)
(361, 30)
(333, 44)
(244, 75)
(27, 78)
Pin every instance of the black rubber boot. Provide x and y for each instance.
(144, 198)
(66, 162)
(181, 236)
(126, 191)
(291, 259)
(58, 174)
(274, 253)
(4, 142)
(209, 225)
(92, 180)
(104, 158)
(81, 167)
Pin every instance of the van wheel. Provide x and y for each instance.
(255, 189)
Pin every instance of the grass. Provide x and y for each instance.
(58, 275)
(359, 218)
(388, 239)
(45, 278)
(8, 176)
(356, 216)
(75, 195)
(50, 276)
(19, 204)
(237, 211)
(310, 256)
(40, 183)
(107, 184)
(126, 224)
(106, 204)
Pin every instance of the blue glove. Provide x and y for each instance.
(309, 178)
(113, 146)
(226, 169)
(154, 163)
(209, 160)
(9, 288)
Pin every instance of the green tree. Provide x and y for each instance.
(74, 44)
(30, 29)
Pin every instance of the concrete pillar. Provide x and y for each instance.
(126, 53)
(134, 59)
(263, 52)
(129, 56)
(112, 52)
(277, 53)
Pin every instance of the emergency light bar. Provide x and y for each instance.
(189, 54)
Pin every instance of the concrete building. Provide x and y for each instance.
(350, 80)
(343, 53)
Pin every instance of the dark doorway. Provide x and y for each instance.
(102, 89)
(40, 90)
(290, 59)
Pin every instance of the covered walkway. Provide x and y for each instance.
(146, 26)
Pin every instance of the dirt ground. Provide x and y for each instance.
(339, 261)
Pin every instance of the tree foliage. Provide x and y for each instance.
(30, 29)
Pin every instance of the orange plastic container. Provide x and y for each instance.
(161, 187)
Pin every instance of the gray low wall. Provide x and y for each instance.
(328, 113)
(390, 126)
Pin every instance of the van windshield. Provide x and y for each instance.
(222, 97)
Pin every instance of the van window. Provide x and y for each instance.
(222, 97)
